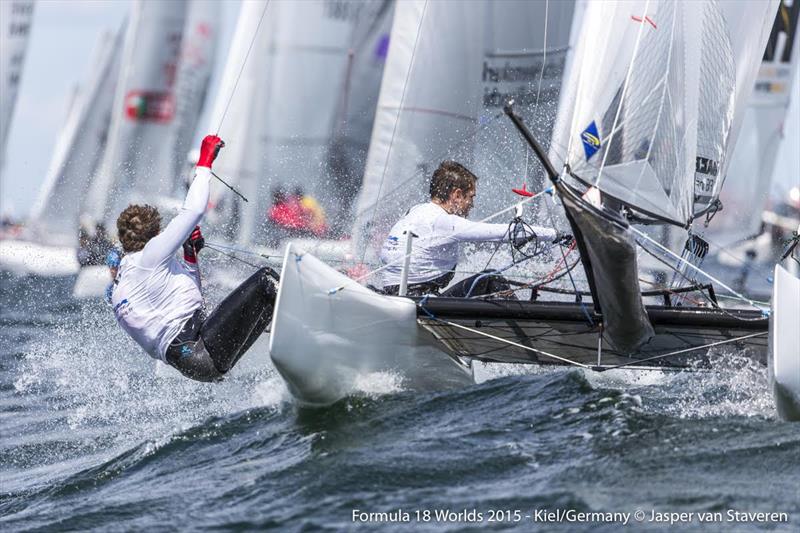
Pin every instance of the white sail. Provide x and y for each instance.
(747, 185)
(79, 148)
(195, 63)
(15, 26)
(660, 88)
(143, 113)
(368, 47)
(279, 120)
(451, 67)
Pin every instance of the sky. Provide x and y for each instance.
(62, 40)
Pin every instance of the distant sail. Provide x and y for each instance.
(79, 148)
(281, 118)
(746, 192)
(195, 63)
(368, 47)
(15, 26)
(143, 113)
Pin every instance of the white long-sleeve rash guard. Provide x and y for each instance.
(156, 293)
(435, 248)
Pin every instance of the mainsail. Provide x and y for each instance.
(657, 105)
(658, 94)
(747, 186)
(286, 77)
(144, 111)
(79, 148)
(15, 26)
(451, 68)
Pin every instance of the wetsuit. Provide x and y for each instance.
(435, 251)
(157, 300)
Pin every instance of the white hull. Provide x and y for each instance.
(24, 258)
(784, 344)
(325, 345)
(92, 282)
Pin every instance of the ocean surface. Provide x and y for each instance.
(94, 435)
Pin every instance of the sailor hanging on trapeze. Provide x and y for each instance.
(157, 298)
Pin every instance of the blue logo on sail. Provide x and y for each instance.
(591, 140)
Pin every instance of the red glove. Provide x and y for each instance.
(209, 150)
(192, 245)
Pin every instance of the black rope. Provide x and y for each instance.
(212, 247)
(713, 303)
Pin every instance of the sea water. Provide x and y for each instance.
(97, 436)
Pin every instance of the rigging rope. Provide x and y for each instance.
(569, 271)
(631, 365)
(693, 267)
(247, 55)
(231, 256)
(685, 350)
(506, 341)
(622, 96)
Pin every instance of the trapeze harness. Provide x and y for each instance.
(435, 250)
(157, 300)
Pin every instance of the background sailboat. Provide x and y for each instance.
(297, 111)
(736, 231)
(15, 26)
(47, 246)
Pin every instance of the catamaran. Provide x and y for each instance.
(649, 110)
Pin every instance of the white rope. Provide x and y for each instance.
(697, 269)
(544, 56)
(247, 55)
(403, 257)
(687, 350)
(512, 343)
(575, 363)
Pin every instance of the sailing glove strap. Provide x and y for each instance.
(209, 150)
(192, 245)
